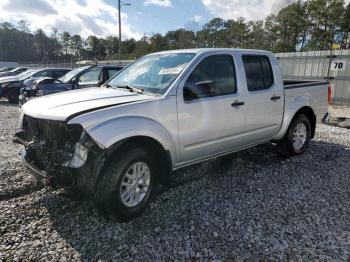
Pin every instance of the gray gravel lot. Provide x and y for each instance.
(253, 205)
(340, 111)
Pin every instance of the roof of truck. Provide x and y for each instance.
(212, 50)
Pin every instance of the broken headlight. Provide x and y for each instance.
(82, 149)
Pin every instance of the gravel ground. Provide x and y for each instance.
(340, 111)
(253, 205)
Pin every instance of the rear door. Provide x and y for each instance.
(264, 101)
(211, 114)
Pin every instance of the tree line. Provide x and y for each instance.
(301, 26)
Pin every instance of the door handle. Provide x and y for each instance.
(274, 98)
(237, 103)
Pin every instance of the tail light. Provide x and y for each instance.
(329, 94)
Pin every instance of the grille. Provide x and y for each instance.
(52, 141)
(50, 130)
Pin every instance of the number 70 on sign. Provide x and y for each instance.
(338, 65)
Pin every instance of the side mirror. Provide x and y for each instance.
(199, 89)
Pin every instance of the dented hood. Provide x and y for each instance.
(7, 79)
(64, 105)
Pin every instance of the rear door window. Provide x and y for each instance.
(258, 72)
(267, 71)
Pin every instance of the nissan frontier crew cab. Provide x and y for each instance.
(165, 111)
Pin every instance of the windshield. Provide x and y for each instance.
(153, 73)
(67, 77)
(26, 73)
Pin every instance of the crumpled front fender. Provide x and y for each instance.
(108, 133)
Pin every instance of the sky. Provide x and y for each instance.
(141, 17)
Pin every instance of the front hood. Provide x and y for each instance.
(8, 79)
(4, 74)
(65, 105)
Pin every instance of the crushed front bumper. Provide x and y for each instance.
(25, 96)
(23, 99)
(60, 178)
(34, 170)
(60, 166)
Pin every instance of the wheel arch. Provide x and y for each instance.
(162, 156)
(291, 114)
(309, 113)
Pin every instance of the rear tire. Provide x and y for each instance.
(297, 138)
(126, 184)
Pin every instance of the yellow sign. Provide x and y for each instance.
(336, 46)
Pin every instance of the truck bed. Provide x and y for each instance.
(313, 93)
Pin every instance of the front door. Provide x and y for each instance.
(210, 109)
(90, 78)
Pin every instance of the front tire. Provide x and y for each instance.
(126, 184)
(12, 97)
(297, 138)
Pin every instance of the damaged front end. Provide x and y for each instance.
(56, 151)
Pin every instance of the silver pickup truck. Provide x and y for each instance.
(165, 111)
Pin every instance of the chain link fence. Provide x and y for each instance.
(70, 64)
(63, 63)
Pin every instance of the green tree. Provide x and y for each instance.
(213, 33)
(96, 48)
(345, 28)
(325, 17)
(235, 34)
(112, 46)
(180, 39)
(158, 43)
(76, 45)
(65, 39)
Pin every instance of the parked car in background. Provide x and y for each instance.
(10, 86)
(8, 80)
(14, 72)
(28, 87)
(82, 77)
(163, 112)
(6, 69)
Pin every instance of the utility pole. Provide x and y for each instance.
(120, 31)
(120, 27)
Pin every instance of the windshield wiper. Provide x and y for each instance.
(132, 89)
(107, 85)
